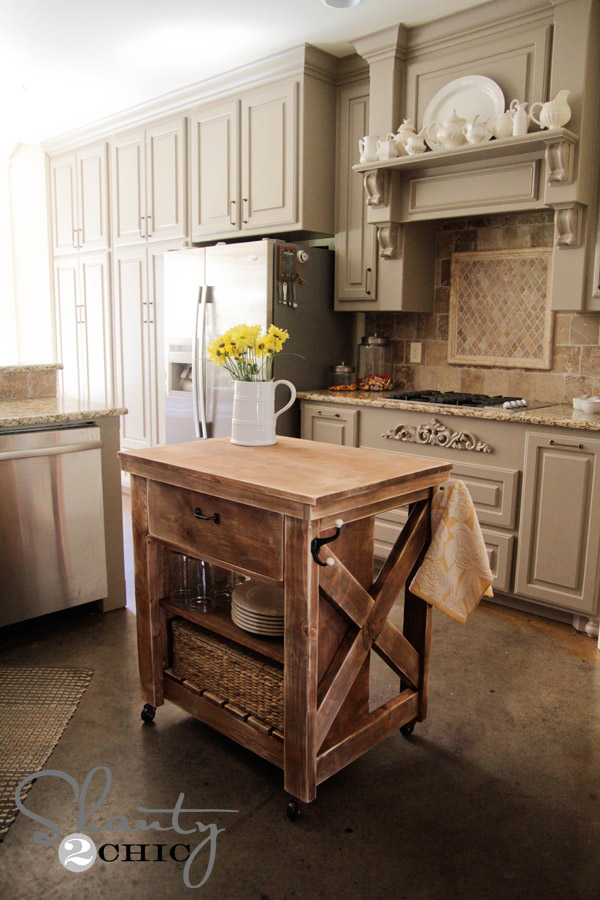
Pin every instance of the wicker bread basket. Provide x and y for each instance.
(237, 674)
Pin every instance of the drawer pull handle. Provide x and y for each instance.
(554, 443)
(216, 518)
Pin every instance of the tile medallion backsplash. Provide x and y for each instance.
(575, 366)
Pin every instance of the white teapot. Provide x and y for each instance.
(553, 114)
(477, 130)
(449, 134)
(404, 132)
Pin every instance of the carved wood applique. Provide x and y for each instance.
(387, 238)
(439, 435)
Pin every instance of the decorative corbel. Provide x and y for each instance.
(559, 162)
(568, 225)
(387, 238)
(377, 186)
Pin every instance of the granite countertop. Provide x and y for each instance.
(48, 411)
(31, 367)
(561, 415)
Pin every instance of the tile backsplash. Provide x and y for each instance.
(576, 342)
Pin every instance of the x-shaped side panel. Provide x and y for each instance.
(368, 611)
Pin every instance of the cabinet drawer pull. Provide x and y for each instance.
(216, 518)
(244, 210)
(232, 218)
(367, 273)
(554, 443)
(320, 413)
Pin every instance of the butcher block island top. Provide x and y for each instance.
(299, 514)
(305, 479)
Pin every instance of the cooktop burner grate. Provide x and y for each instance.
(454, 398)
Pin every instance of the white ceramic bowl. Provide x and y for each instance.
(576, 402)
(591, 405)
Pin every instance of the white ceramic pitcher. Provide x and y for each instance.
(254, 416)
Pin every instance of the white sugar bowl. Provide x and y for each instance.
(590, 405)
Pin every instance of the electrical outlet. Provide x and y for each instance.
(415, 351)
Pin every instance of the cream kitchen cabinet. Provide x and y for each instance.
(355, 239)
(79, 200)
(557, 562)
(83, 327)
(149, 183)
(332, 425)
(137, 280)
(261, 164)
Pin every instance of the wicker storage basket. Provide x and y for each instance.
(234, 673)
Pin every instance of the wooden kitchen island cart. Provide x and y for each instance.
(267, 512)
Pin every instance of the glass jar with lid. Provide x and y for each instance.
(374, 364)
(342, 377)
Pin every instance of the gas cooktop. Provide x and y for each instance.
(454, 398)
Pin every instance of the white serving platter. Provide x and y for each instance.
(470, 95)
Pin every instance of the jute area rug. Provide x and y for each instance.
(35, 707)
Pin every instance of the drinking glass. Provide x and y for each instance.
(202, 593)
(179, 587)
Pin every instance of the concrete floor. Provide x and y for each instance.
(496, 795)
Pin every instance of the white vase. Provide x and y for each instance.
(254, 416)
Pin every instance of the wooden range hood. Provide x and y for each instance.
(532, 49)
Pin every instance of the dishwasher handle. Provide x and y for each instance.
(50, 451)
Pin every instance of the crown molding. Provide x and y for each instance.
(352, 68)
(303, 60)
(383, 44)
(490, 17)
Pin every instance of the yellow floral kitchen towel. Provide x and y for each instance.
(455, 573)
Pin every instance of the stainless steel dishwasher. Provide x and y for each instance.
(52, 549)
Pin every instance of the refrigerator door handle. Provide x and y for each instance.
(199, 366)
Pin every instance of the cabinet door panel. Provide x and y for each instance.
(66, 280)
(128, 187)
(560, 522)
(330, 426)
(165, 157)
(215, 180)
(96, 317)
(133, 362)
(355, 240)
(93, 207)
(269, 156)
(64, 203)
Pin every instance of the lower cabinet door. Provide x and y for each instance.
(557, 562)
(330, 425)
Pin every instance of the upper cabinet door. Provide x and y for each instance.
(63, 173)
(215, 169)
(92, 196)
(166, 206)
(128, 182)
(270, 156)
(355, 240)
(79, 200)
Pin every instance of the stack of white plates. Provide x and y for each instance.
(258, 608)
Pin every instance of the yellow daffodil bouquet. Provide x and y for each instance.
(246, 353)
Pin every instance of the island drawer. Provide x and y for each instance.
(220, 530)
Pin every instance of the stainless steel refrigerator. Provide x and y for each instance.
(209, 289)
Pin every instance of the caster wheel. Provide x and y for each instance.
(148, 713)
(407, 729)
(293, 810)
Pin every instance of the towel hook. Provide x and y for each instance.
(317, 543)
